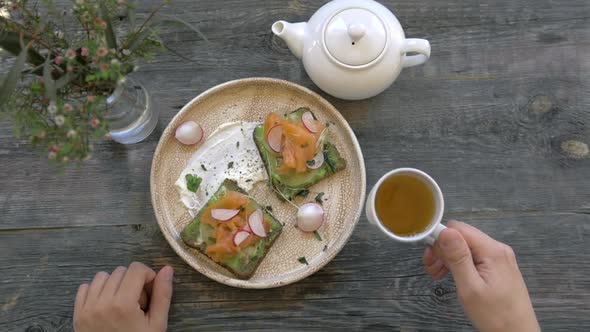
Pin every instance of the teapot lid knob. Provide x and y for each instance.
(356, 31)
(355, 36)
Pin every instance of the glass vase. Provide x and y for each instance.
(131, 116)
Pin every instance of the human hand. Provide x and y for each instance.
(489, 283)
(116, 302)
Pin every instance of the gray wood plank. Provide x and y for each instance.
(373, 284)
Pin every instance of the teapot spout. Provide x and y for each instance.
(292, 34)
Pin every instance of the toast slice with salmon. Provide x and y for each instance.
(233, 230)
(295, 151)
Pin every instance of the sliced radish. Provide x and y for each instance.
(240, 236)
(310, 217)
(274, 138)
(256, 223)
(223, 214)
(189, 133)
(317, 161)
(309, 122)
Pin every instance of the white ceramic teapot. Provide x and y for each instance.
(352, 49)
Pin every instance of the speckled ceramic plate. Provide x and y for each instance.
(251, 100)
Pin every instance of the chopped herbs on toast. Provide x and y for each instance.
(290, 147)
(241, 241)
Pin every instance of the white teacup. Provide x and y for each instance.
(431, 233)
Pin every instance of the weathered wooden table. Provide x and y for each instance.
(500, 116)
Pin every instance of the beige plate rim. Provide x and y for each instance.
(332, 251)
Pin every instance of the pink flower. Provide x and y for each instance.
(121, 2)
(59, 59)
(51, 155)
(95, 59)
(84, 51)
(54, 148)
(91, 98)
(41, 135)
(102, 51)
(104, 67)
(70, 69)
(70, 54)
(95, 122)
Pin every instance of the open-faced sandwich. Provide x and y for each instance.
(295, 151)
(233, 230)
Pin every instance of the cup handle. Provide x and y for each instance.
(416, 45)
(433, 236)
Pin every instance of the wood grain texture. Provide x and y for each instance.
(499, 117)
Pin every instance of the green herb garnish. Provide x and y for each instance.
(319, 198)
(302, 260)
(230, 165)
(317, 236)
(193, 182)
(303, 193)
(203, 167)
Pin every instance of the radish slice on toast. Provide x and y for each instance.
(240, 236)
(317, 161)
(274, 138)
(256, 222)
(309, 122)
(223, 214)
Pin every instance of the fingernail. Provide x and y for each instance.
(167, 273)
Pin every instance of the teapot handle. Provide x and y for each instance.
(421, 46)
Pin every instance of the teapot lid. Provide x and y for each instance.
(355, 36)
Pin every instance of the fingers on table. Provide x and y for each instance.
(434, 266)
(80, 299)
(136, 276)
(96, 286)
(161, 297)
(112, 285)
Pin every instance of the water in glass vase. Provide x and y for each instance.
(131, 115)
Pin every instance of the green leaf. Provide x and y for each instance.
(319, 198)
(11, 80)
(134, 42)
(317, 236)
(50, 89)
(172, 19)
(193, 182)
(131, 15)
(302, 260)
(64, 80)
(303, 193)
(109, 32)
(10, 41)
